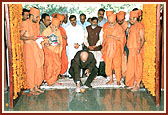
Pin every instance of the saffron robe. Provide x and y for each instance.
(112, 50)
(52, 57)
(64, 59)
(135, 60)
(33, 55)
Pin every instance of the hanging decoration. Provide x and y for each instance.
(149, 20)
(19, 76)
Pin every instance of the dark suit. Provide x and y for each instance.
(77, 65)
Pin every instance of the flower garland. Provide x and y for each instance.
(149, 20)
(19, 76)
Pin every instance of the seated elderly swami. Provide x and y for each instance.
(83, 60)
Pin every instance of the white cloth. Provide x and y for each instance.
(97, 54)
(38, 41)
(74, 35)
(102, 22)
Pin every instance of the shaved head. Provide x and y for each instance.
(84, 56)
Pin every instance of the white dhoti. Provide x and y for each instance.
(71, 52)
(98, 57)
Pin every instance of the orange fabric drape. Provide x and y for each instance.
(64, 59)
(124, 25)
(134, 68)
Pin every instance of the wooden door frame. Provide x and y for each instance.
(158, 53)
(9, 55)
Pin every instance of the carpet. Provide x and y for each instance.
(99, 82)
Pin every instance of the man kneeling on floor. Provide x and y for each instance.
(83, 60)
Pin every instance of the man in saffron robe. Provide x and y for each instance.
(33, 55)
(25, 14)
(135, 59)
(139, 15)
(113, 46)
(64, 59)
(108, 13)
(121, 20)
(52, 51)
(124, 24)
(142, 25)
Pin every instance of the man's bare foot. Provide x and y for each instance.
(39, 90)
(136, 88)
(77, 87)
(129, 87)
(33, 92)
(118, 83)
(110, 82)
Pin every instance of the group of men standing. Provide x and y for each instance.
(72, 48)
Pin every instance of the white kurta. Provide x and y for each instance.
(102, 22)
(83, 25)
(74, 35)
(97, 54)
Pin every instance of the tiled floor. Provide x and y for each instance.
(92, 100)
